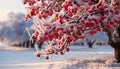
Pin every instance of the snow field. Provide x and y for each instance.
(80, 57)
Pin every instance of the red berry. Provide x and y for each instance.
(34, 36)
(76, 16)
(61, 53)
(67, 49)
(56, 53)
(44, 16)
(60, 20)
(37, 33)
(70, 41)
(90, 10)
(46, 32)
(63, 39)
(71, 26)
(47, 57)
(24, 2)
(68, 32)
(76, 36)
(64, 5)
(69, 3)
(50, 37)
(98, 29)
(92, 32)
(40, 39)
(49, 51)
(108, 26)
(38, 54)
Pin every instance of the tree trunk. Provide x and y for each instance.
(40, 44)
(116, 47)
(20, 44)
(23, 44)
(90, 46)
(90, 43)
(32, 43)
(117, 55)
(27, 43)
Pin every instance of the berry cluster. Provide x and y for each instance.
(62, 22)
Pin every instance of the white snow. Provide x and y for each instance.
(13, 48)
(80, 57)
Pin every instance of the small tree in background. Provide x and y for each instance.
(62, 22)
(90, 42)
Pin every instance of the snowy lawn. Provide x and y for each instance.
(79, 57)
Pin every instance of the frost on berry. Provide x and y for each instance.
(47, 57)
(67, 49)
(38, 54)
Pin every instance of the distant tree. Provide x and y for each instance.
(13, 30)
(32, 43)
(90, 42)
(40, 44)
(62, 22)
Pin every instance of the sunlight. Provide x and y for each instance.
(7, 6)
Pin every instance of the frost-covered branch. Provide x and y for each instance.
(62, 22)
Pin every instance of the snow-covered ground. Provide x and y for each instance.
(80, 57)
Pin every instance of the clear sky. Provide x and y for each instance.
(7, 6)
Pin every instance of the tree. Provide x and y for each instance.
(62, 22)
(90, 42)
(14, 27)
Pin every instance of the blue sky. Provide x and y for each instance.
(7, 6)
